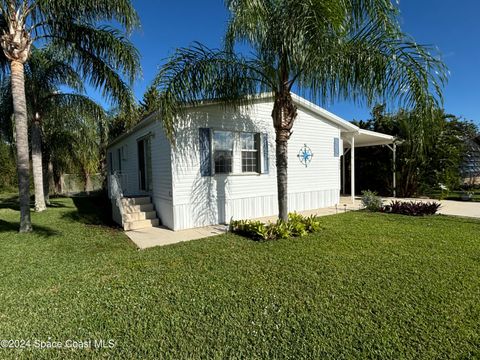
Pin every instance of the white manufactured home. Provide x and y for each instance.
(222, 165)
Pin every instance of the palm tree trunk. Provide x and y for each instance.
(49, 183)
(283, 114)
(21, 139)
(37, 165)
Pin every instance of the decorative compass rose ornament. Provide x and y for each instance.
(305, 155)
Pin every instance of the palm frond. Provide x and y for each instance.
(120, 11)
(349, 49)
(196, 74)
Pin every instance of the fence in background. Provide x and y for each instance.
(73, 184)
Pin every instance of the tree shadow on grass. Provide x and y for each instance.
(92, 210)
(7, 226)
(12, 203)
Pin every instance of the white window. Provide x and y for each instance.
(223, 151)
(232, 152)
(250, 143)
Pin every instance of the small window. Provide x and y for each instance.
(250, 152)
(223, 151)
(336, 147)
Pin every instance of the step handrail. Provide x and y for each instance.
(117, 192)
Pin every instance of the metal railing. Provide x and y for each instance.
(116, 191)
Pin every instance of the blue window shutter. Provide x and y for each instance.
(336, 147)
(266, 161)
(205, 152)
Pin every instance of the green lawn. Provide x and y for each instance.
(367, 286)
(454, 195)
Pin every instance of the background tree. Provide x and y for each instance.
(432, 151)
(76, 139)
(8, 175)
(150, 102)
(77, 30)
(123, 119)
(325, 49)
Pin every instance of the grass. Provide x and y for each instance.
(455, 195)
(367, 286)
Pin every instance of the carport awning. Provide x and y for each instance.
(364, 138)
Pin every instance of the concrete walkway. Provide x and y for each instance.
(159, 236)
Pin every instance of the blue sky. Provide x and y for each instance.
(453, 26)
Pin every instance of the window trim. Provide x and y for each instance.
(237, 151)
(257, 150)
(212, 149)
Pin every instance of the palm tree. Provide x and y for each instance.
(45, 73)
(76, 143)
(77, 30)
(325, 49)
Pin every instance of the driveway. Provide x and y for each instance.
(460, 208)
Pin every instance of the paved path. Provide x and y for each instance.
(158, 236)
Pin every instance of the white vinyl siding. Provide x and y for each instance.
(200, 201)
(185, 199)
(161, 169)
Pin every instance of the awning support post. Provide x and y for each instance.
(394, 170)
(352, 169)
(394, 150)
(345, 152)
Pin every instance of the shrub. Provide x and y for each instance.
(256, 230)
(297, 225)
(411, 208)
(371, 201)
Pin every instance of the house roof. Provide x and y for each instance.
(362, 137)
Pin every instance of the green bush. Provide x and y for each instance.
(371, 201)
(296, 226)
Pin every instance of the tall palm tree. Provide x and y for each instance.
(100, 53)
(325, 49)
(45, 74)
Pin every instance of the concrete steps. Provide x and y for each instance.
(140, 224)
(139, 213)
